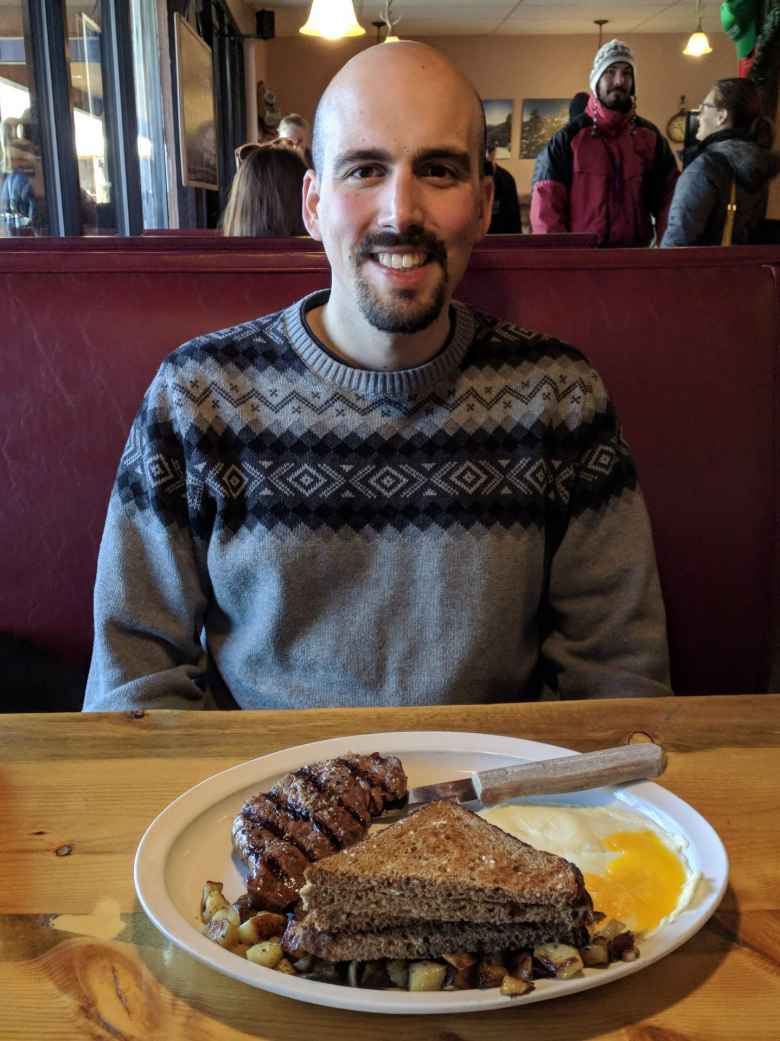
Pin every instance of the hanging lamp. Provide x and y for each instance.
(698, 45)
(332, 20)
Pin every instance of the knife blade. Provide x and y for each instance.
(570, 773)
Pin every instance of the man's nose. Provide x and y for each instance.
(402, 204)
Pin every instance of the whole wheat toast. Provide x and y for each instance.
(445, 864)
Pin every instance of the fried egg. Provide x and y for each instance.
(634, 870)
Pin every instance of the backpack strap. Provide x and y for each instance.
(731, 212)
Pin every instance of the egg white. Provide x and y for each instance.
(575, 832)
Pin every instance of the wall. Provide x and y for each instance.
(517, 67)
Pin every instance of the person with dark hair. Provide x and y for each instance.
(505, 217)
(378, 495)
(578, 104)
(265, 197)
(608, 171)
(733, 157)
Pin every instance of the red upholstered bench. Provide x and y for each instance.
(687, 341)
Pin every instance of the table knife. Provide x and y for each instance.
(570, 773)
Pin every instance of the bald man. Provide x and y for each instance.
(387, 499)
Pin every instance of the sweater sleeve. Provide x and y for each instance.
(150, 590)
(607, 625)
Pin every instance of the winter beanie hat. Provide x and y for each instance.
(607, 55)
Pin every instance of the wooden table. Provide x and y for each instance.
(79, 959)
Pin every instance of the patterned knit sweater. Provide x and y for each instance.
(300, 533)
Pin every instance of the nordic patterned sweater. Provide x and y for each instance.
(300, 533)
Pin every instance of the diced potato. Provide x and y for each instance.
(222, 932)
(426, 975)
(490, 973)
(608, 928)
(558, 959)
(327, 971)
(261, 926)
(240, 949)
(211, 900)
(244, 907)
(285, 965)
(373, 975)
(520, 964)
(228, 914)
(623, 947)
(398, 971)
(595, 954)
(462, 973)
(513, 986)
(268, 953)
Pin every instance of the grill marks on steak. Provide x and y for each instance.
(311, 813)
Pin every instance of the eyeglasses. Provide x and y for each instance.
(708, 104)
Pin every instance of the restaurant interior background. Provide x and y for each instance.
(90, 105)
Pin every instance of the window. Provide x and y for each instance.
(23, 209)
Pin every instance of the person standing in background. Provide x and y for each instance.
(608, 171)
(734, 150)
(265, 196)
(505, 219)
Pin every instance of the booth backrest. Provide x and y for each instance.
(208, 240)
(686, 340)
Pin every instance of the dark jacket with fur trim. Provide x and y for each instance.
(606, 172)
(698, 211)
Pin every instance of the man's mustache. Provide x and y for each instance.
(417, 239)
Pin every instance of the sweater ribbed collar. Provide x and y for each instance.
(396, 383)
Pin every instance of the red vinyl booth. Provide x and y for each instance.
(686, 340)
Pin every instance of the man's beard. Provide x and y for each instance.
(401, 313)
(621, 103)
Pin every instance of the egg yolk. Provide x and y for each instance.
(642, 885)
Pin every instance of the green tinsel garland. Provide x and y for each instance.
(766, 56)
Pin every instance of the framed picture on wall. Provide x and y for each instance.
(498, 117)
(542, 117)
(197, 114)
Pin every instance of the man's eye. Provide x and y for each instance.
(440, 172)
(365, 173)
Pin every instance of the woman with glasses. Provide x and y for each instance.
(265, 197)
(729, 170)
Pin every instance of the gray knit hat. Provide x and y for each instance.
(607, 55)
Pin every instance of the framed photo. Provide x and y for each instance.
(197, 116)
(498, 117)
(542, 117)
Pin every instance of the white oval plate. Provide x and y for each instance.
(189, 842)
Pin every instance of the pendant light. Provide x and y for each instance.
(698, 44)
(332, 20)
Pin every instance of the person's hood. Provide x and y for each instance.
(753, 165)
(608, 120)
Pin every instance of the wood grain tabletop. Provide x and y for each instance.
(79, 960)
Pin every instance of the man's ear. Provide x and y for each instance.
(487, 187)
(311, 205)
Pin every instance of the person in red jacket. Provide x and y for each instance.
(608, 171)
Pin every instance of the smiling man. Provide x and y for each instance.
(384, 498)
(608, 171)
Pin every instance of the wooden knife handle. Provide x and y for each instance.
(571, 773)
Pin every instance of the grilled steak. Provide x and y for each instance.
(311, 813)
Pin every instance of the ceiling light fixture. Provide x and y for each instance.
(601, 22)
(332, 20)
(698, 44)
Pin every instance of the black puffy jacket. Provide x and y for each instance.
(698, 211)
